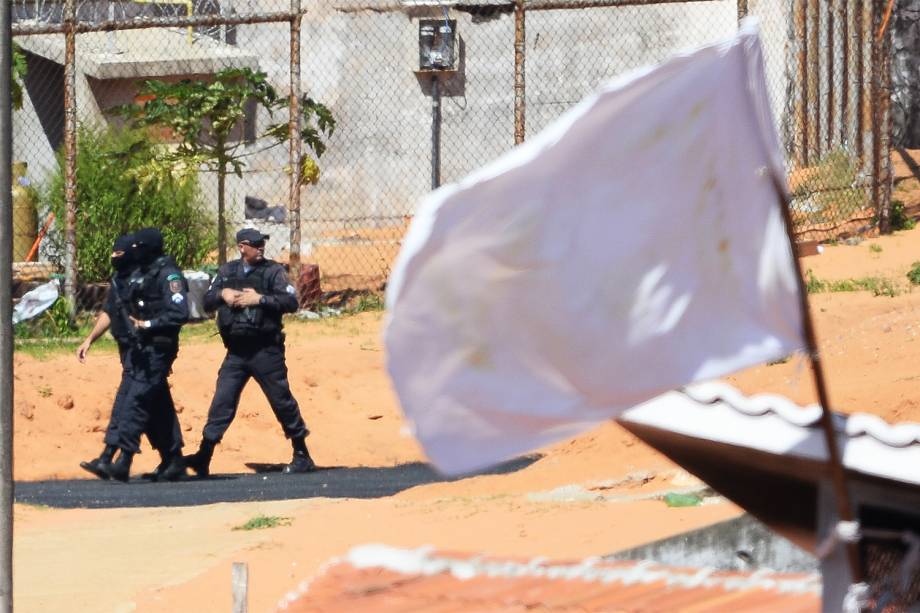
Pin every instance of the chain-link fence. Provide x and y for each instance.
(421, 93)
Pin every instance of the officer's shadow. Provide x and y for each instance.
(353, 481)
(262, 467)
(418, 468)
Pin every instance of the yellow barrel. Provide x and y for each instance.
(25, 216)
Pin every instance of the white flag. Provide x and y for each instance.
(634, 246)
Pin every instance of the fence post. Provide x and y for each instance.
(435, 131)
(800, 24)
(875, 165)
(520, 52)
(240, 583)
(6, 311)
(830, 71)
(866, 59)
(70, 156)
(813, 93)
(881, 117)
(295, 146)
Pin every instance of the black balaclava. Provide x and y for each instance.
(123, 263)
(148, 245)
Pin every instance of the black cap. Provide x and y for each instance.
(250, 235)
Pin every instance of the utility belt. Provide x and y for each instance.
(250, 343)
(160, 341)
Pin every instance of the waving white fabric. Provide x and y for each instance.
(634, 246)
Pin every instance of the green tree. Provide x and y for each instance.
(113, 198)
(202, 116)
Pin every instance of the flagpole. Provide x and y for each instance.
(837, 470)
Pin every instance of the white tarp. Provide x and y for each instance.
(634, 246)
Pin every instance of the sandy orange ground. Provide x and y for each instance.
(169, 560)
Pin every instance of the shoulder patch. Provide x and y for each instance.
(174, 277)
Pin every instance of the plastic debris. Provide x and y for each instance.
(36, 301)
(682, 500)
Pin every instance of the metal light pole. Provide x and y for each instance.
(6, 309)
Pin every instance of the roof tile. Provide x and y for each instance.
(387, 580)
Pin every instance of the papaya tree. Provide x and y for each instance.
(206, 118)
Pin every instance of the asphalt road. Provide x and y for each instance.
(265, 483)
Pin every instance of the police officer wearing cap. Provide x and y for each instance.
(157, 309)
(250, 295)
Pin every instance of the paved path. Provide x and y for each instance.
(267, 483)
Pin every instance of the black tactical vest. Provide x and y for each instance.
(248, 322)
(147, 298)
(121, 298)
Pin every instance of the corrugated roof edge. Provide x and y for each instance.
(854, 425)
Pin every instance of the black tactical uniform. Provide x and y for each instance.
(157, 295)
(255, 349)
(119, 328)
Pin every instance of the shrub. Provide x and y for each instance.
(113, 198)
(914, 274)
(899, 219)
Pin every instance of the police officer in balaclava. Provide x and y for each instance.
(157, 309)
(113, 317)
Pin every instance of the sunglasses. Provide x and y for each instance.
(256, 244)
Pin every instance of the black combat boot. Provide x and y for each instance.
(174, 468)
(301, 462)
(100, 466)
(170, 468)
(200, 461)
(120, 469)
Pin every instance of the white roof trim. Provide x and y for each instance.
(771, 423)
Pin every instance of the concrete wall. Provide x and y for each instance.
(742, 543)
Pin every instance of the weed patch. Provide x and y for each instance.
(261, 522)
(879, 286)
(367, 302)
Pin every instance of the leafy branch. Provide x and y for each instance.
(204, 118)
